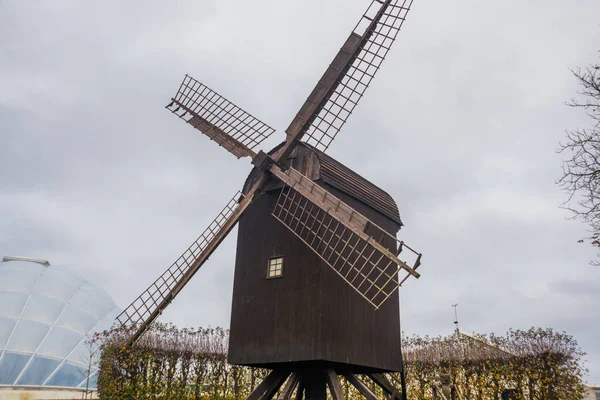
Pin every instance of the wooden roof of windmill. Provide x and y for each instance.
(323, 168)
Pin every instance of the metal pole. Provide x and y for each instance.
(455, 316)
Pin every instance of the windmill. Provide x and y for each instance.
(317, 264)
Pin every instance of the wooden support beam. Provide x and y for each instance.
(334, 385)
(300, 391)
(289, 387)
(267, 388)
(397, 382)
(315, 387)
(361, 387)
(386, 385)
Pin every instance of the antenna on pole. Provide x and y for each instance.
(455, 316)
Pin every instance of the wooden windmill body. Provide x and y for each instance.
(318, 263)
(308, 314)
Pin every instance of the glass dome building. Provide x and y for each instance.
(47, 313)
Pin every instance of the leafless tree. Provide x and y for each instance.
(93, 345)
(581, 166)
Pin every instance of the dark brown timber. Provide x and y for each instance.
(315, 387)
(386, 385)
(268, 387)
(361, 387)
(334, 385)
(300, 391)
(288, 389)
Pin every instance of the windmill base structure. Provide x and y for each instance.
(318, 264)
(291, 312)
(311, 381)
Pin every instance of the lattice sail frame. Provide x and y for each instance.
(356, 80)
(141, 308)
(218, 118)
(366, 269)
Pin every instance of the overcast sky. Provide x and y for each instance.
(460, 127)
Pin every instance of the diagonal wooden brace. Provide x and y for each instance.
(339, 210)
(267, 388)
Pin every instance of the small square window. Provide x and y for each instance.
(275, 269)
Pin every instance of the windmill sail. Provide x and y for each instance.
(218, 118)
(360, 252)
(349, 75)
(151, 303)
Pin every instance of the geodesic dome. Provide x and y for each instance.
(46, 315)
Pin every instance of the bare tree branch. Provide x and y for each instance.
(581, 166)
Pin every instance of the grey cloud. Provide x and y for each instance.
(460, 127)
(576, 288)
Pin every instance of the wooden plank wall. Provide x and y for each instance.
(310, 313)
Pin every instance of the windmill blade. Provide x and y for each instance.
(349, 75)
(218, 118)
(358, 250)
(151, 303)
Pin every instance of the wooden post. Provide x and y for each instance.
(386, 385)
(361, 387)
(300, 391)
(286, 392)
(314, 384)
(267, 388)
(334, 385)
